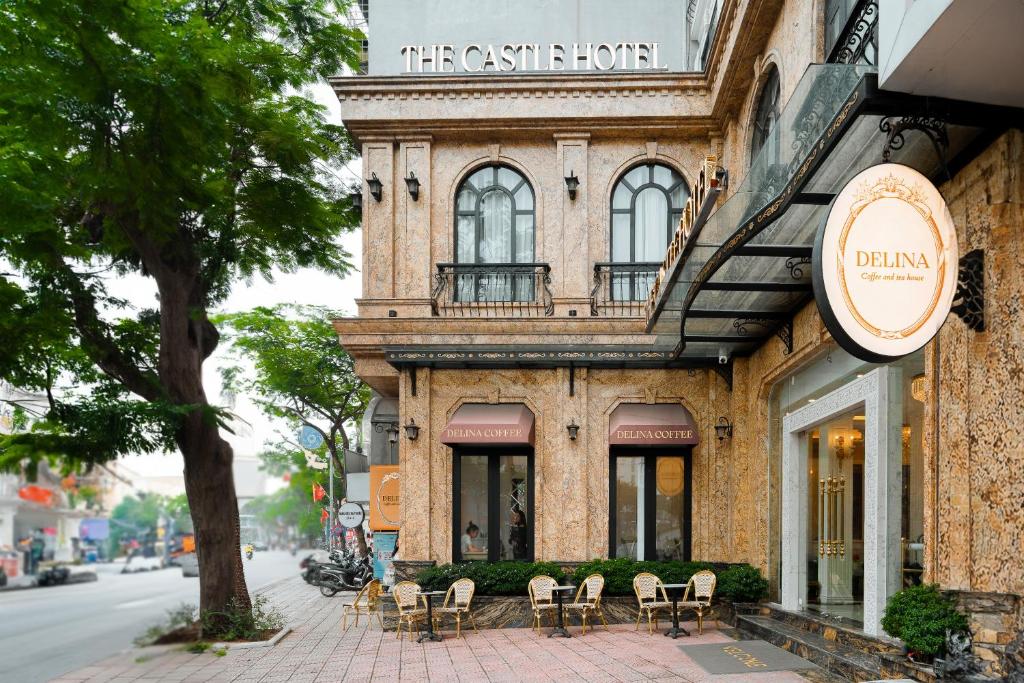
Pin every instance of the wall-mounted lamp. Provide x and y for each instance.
(392, 430)
(723, 429)
(376, 186)
(574, 429)
(412, 430)
(413, 183)
(721, 178)
(572, 183)
(357, 199)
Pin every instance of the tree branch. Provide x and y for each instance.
(98, 345)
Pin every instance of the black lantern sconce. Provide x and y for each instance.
(574, 429)
(572, 183)
(357, 199)
(412, 430)
(723, 429)
(392, 430)
(413, 183)
(376, 186)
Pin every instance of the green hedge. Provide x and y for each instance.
(920, 617)
(491, 578)
(618, 573)
(736, 582)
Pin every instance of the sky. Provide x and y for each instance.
(305, 286)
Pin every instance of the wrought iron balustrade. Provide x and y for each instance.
(857, 43)
(499, 290)
(621, 289)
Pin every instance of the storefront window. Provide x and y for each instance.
(493, 519)
(649, 516)
(767, 118)
(835, 450)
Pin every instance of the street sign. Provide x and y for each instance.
(350, 515)
(310, 438)
(314, 462)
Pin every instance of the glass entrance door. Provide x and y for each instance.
(835, 504)
(649, 511)
(492, 512)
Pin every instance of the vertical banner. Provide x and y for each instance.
(384, 543)
(385, 492)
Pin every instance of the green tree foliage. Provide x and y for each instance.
(168, 140)
(137, 516)
(293, 505)
(302, 375)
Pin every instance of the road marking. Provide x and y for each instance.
(135, 603)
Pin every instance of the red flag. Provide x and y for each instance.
(318, 492)
(323, 513)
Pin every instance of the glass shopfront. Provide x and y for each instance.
(838, 446)
(650, 504)
(493, 505)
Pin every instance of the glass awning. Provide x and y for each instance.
(748, 269)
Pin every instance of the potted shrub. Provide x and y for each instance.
(742, 583)
(920, 616)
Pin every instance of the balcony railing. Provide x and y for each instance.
(497, 290)
(621, 289)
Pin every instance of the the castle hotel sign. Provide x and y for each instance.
(437, 37)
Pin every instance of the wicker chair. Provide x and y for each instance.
(457, 602)
(367, 602)
(590, 592)
(542, 599)
(651, 596)
(703, 585)
(409, 612)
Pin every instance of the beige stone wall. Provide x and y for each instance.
(974, 512)
(571, 477)
(404, 240)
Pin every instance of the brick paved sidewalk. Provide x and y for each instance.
(318, 651)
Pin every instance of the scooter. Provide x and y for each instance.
(348, 573)
(248, 551)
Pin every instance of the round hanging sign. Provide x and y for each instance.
(885, 263)
(350, 515)
(310, 438)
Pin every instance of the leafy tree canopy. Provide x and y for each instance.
(166, 138)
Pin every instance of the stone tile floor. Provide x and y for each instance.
(318, 650)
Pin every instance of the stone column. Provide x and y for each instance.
(883, 458)
(571, 269)
(379, 245)
(412, 223)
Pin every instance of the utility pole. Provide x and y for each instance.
(330, 507)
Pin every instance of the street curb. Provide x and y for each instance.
(261, 643)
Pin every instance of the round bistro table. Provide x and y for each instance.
(430, 634)
(560, 630)
(676, 629)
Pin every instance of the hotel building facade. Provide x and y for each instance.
(591, 237)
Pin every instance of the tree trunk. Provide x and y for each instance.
(187, 338)
(210, 485)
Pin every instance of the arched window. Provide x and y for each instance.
(494, 218)
(647, 203)
(494, 223)
(766, 119)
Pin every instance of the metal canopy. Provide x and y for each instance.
(749, 269)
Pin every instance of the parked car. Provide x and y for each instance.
(142, 564)
(189, 564)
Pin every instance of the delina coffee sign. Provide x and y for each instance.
(885, 263)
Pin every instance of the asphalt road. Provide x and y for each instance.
(45, 632)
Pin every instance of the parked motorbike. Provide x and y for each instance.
(345, 572)
(248, 551)
(53, 576)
